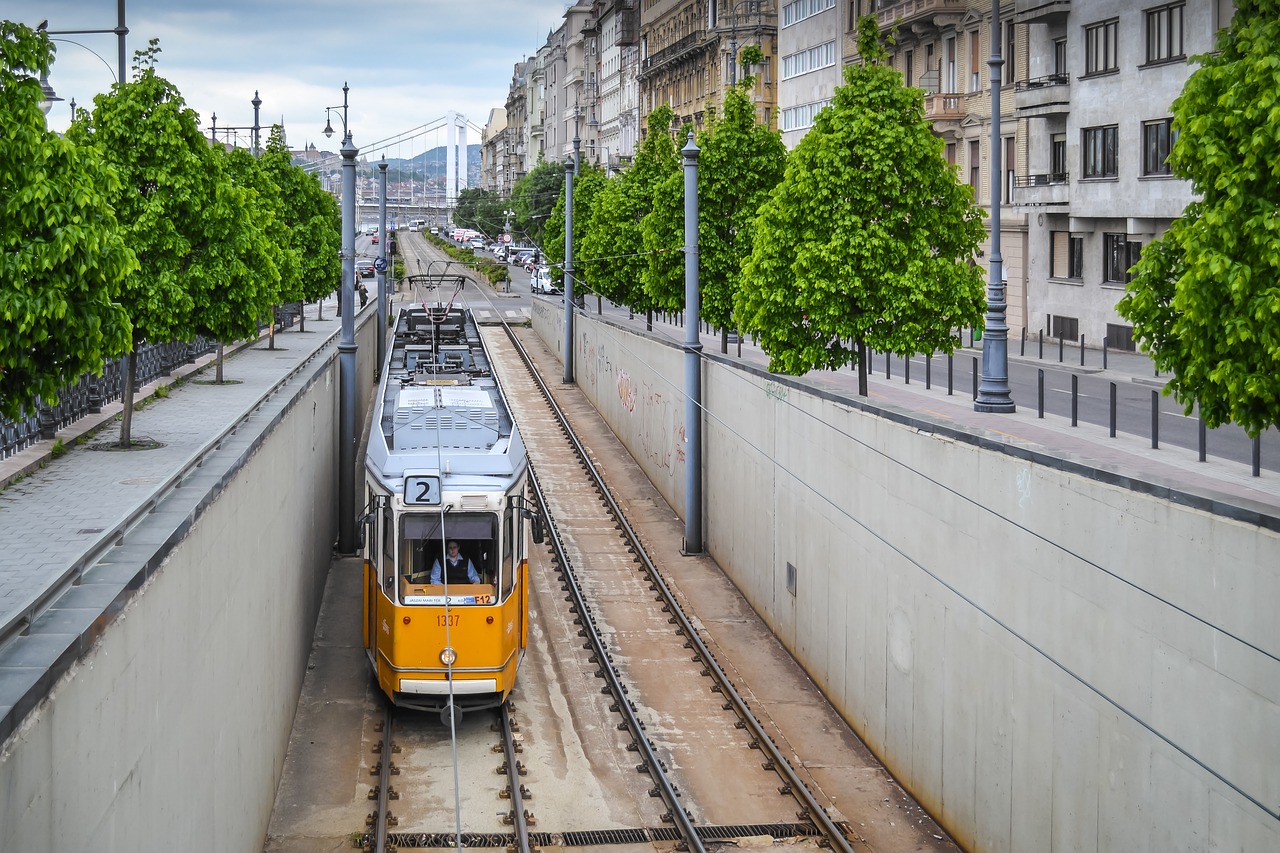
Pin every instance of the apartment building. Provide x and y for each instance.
(1094, 181)
(617, 89)
(811, 47)
(688, 49)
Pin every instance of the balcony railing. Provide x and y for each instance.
(1043, 96)
(1042, 190)
(948, 107)
(671, 52)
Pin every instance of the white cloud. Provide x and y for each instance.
(408, 62)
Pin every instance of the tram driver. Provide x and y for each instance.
(458, 569)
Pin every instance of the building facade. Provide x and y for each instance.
(811, 50)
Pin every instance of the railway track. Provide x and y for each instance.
(622, 556)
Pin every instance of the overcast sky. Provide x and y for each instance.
(408, 62)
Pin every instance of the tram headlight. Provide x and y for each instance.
(448, 656)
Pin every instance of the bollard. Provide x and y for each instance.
(1257, 456)
(1104, 353)
(886, 365)
(1082, 350)
(1061, 341)
(1075, 399)
(1042, 344)
(975, 377)
(1040, 393)
(1023, 349)
(928, 371)
(950, 373)
(1155, 419)
(906, 369)
(1113, 410)
(1204, 440)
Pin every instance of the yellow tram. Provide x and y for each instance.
(446, 591)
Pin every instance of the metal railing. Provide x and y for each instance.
(90, 393)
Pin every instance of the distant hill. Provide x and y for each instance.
(431, 164)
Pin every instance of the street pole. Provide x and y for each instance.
(382, 273)
(692, 357)
(257, 102)
(347, 352)
(994, 394)
(570, 166)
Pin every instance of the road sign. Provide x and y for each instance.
(506, 238)
(380, 264)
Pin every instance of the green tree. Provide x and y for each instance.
(868, 239)
(481, 210)
(1205, 298)
(62, 255)
(178, 209)
(587, 187)
(740, 163)
(615, 239)
(312, 223)
(533, 197)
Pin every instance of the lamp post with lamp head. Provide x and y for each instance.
(346, 341)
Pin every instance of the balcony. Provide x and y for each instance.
(670, 54)
(1041, 11)
(920, 15)
(945, 111)
(628, 26)
(1040, 97)
(1048, 190)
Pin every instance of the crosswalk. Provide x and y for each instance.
(506, 315)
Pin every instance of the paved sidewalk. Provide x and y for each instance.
(53, 511)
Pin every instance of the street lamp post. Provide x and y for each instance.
(346, 341)
(252, 129)
(382, 273)
(120, 31)
(994, 394)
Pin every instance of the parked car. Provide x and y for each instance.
(364, 267)
(476, 243)
(540, 281)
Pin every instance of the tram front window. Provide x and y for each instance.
(424, 551)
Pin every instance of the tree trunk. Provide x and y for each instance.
(130, 385)
(218, 373)
(724, 341)
(302, 317)
(271, 329)
(320, 308)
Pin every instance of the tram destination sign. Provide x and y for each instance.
(421, 489)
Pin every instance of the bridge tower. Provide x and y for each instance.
(455, 162)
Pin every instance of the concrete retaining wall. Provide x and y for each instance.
(170, 731)
(1048, 657)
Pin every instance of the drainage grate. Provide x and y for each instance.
(594, 838)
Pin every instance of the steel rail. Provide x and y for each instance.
(521, 823)
(382, 817)
(777, 761)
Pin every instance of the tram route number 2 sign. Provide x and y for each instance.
(421, 489)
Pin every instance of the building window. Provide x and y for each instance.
(794, 13)
(1120, 337)
(796, 118)
(1099, 151)
(975, 60)
(1157, 139)
(802, 62)
(1010, 50)
(1064, 327)
(1057, 158)
(974, 166)
(1067, 255)
(1164, 33)
(1118, 255)
(951, 153)
(1100, 48)
(1060, 57)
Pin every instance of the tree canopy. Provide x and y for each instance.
(482, 210)
(533, 198)
(868, 240)
(62, 256)
(614, 244)
(312, 223)
(587, 187)
(1205, 297)
(740, 162)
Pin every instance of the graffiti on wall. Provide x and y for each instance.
(627, 391)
